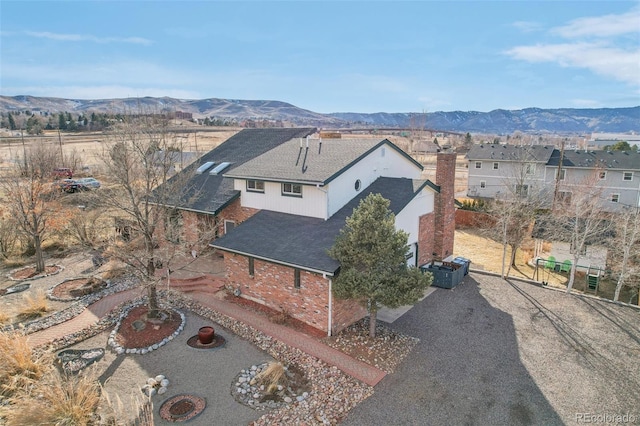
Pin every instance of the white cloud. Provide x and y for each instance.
(602, 59)
(90, 38)
(602, 26)
(608, 57)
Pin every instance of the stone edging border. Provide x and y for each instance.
(50, 295)
(141, 351)
(37, 277)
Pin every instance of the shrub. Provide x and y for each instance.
(20, 368)
(34, 306)
(272, 376)
(57, 400)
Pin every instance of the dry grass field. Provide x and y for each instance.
(87, 147)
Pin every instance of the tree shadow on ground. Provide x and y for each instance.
(466, 369)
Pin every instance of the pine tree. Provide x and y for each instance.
(373, 264)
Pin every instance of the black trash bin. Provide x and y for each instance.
(445, 274)
(464, 262)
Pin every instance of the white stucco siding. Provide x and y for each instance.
(408, 218)
(312, 203)
(383, 162)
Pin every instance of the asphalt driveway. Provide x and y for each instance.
(510, 353)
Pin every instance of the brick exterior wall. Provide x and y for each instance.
(193, 223)
(273, 285)
(236, 213)
(425, 238)
(445, 211)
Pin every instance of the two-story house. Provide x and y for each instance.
(303, 190)
(278, 199)
(503, 171)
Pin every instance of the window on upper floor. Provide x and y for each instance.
(255, 186)
(530, 168)
(251, 267)
(478, 164)
(483, 184)
(292, 189)
(615, 198)
(563, 174)
(602, 175)
(627, 176)
(496, 166)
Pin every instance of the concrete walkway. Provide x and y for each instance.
(92, 314)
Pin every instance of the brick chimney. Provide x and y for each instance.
(444, 204)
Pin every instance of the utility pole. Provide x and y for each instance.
(24, 149)
(61, 153)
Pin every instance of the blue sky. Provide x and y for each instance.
(343, 56)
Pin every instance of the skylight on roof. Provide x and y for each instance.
(205, 167)
(220, 167)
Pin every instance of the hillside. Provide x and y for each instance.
(529, 120)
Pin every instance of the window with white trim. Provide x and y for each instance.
(615, 198)
(255, 186)
(478, 164)
(563, 174)
(530, 168)
(483, 184)
(496, 166)
(627, 176)
(602, 175)
(292, 189)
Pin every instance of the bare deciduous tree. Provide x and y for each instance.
(579, 220)
(142, 197)
(625, 249)
(30, 197)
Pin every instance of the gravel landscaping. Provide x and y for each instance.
(510, 353)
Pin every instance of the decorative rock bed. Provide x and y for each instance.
(73, 360)
(67, 292)
(248, 389)
(119, 349)
(17, 288)
(18, 274)
(155, 385)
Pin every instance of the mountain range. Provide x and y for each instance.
(500, 121)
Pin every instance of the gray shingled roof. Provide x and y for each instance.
(320, 162)
(499, 152)
(302, 241)
(211, 193)
(624, 160)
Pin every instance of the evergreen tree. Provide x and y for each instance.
(12, 122)
(373, 263)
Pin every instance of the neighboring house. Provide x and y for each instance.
(500, 171)
(210, 205)
(300, 193)
(503, 171)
